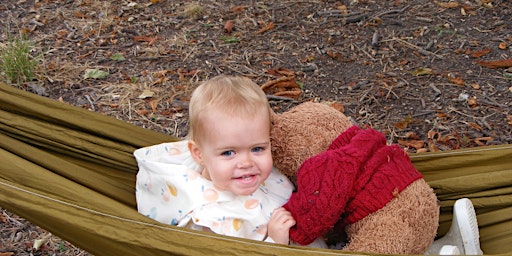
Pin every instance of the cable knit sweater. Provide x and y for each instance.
(357, 175)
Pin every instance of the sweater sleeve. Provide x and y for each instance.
(325, 182)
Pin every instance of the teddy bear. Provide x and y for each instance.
(350, 185)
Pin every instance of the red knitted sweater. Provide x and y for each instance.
(357, 175)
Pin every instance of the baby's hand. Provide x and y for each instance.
(279, 225)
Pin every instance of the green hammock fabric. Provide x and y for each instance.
(72, 172)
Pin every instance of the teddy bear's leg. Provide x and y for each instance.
(463, 233)
(406, 225)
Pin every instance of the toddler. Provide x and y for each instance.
(222, 178)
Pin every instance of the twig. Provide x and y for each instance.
(369, 55)
(415, 47)
(390, 12)
(428, 112)
(354, 19)
(90, 101)
(491, 102)
(273, 97)
(190, 53)
(375, 39)
(438, 92)
(338, 13)
(146, 58)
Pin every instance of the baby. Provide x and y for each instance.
(222, 178)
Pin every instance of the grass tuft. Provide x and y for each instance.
(194, 11)
(16, 63)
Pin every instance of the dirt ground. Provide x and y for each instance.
(431, 75)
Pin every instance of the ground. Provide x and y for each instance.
(431, 75)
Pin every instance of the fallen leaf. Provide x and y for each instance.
(38, 243)
(432, 147)
(403, 62)
(412, 135)
(284, 82)
(509, 117)
(266, 28)
(496, 63)
(422, 150)
(228, 26)
(403, 124)
(95, 73)
(80, 15)
(142, 112)
(147, 39)
(333, 54)
(6, 253)
(343, 8)
(294, 94)
(186, 73)
(146, 94)
(447, 5)
(447, 138)
(433, 135)
(280, 72)
(338, 106)
(284, 86)
(153, 104)
(238, 9)
(307, 59)
(133, 5)
(463, 12)
(479, 53)
(456, 80)
(483, 140)
(475, 86)
(472, 102)
(117, 57)
(417, 144)
(422, 72)
(474, 125)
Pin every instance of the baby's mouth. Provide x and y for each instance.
(246, 177)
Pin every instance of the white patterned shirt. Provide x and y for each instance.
(171, 190)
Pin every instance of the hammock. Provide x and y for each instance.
(72, 172)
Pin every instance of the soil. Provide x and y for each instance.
(431, 75)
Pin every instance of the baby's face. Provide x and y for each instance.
(235, 152)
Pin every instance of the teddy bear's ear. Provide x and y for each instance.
(273, 117)
(302, 132)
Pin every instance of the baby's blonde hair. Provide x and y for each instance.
(233, 95)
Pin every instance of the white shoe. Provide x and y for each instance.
(449, 250)
(463, 233)
(465, 217)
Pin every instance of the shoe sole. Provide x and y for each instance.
(468, 226)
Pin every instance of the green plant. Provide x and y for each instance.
(230, 39)
(16, 63)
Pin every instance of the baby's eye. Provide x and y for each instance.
(228, 153)
(258, 149)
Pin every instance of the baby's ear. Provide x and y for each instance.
(195, 152)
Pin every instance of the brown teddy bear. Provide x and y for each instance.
(351, 184)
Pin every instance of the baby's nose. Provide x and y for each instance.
(245, 161)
